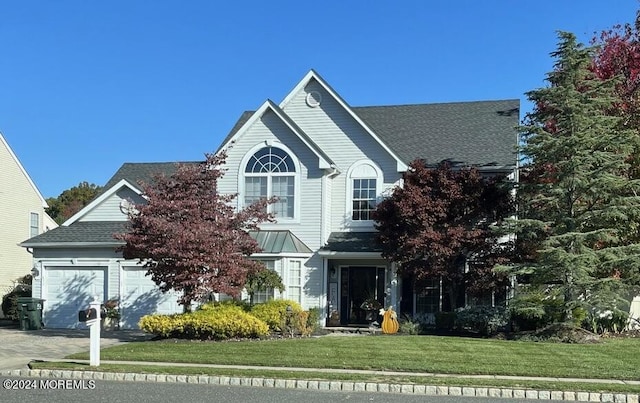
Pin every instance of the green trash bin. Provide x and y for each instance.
(30, 313)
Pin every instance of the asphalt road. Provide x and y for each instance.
(53, 391)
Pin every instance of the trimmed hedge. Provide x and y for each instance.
(274, 312)
(211, 322)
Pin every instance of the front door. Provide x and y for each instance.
(361, 294)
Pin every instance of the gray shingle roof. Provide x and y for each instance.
(138, 172)
(79, 233)
(472, 133)
(352, 242)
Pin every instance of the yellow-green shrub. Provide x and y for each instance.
(274, 312)
(212, 322)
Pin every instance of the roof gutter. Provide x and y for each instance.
(71, 244)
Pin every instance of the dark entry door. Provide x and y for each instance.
(361, 288)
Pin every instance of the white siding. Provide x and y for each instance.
(270, 127)
(19, 199)
(109, 209)
(343, 139)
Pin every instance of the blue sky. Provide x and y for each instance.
(88, 85)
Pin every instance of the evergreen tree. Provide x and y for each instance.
(578, 200)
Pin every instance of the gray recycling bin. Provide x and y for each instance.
(30, 313)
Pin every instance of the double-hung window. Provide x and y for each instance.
(363, 187)
(294, 287)
(364, 199)
(34, 224)
(271, 172)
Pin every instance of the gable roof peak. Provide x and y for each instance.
(312, 74)
(13, 156)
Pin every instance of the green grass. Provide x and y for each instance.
(612, 358)
(407, 379)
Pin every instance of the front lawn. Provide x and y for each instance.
(612, 358)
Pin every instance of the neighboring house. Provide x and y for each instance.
(329, 164)
(23, 216)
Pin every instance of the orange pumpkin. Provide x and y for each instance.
(390, 322)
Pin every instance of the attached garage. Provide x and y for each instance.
(140, 296)
(68, 290)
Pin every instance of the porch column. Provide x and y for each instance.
(324, 308)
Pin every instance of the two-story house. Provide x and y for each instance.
(328, 164)
(22, 209)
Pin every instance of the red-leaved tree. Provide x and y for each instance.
(190, 237)
(618, 56)
(438, 221)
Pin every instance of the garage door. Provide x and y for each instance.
(141, 297)
(69, 290)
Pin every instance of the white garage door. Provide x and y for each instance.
(141, 297)
(69, 290)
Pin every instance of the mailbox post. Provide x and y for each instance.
(94, 333)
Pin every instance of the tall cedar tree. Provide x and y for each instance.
(578, 198)
(189, 236)
(439, 219)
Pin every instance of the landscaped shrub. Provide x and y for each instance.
(10, 300)
(535, 309)
(211, 322)
(313, 321)
(228, 303)
(485, 320)
(409, 326)
(445, 320)
(608, 321)
(274, 312)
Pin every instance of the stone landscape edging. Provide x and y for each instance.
(349, 386)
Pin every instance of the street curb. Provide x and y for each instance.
(412, 389)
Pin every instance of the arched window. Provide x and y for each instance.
(269, 172)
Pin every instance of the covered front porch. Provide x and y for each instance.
(359, 282)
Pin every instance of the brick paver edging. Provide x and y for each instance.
(331, 385)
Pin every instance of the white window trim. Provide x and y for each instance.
(39, 225)
(296, 178)
(350, 222)
(289, 278)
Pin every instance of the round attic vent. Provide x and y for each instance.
(314, 98)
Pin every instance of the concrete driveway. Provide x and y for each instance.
(18, 348)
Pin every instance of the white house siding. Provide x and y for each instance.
(109, 209)
(19, 199)
(307, 223)
(312, 283)
(343, 139)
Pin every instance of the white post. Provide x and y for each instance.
(94, 334)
